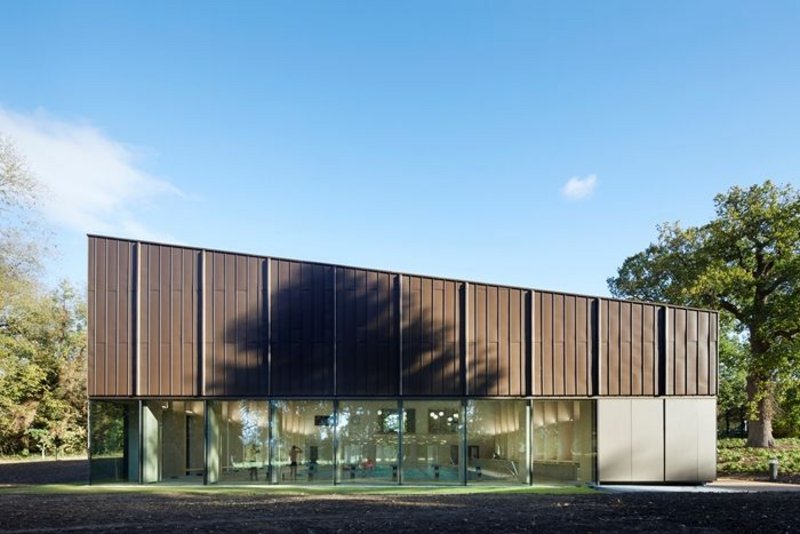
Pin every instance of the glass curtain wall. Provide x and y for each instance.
(497, 445)
(302, 442)
(292, 441)
(173, 438)
(368, 438)
(238, 433)
(114, 450)
(432, 442)
(563, 441)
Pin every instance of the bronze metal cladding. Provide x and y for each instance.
(367, 351)
(498, 319)
(236, 330)
(172, 321)
(629, 348)
(563, 346)
(168, 309)
(691, 352)
(431, 336)
(111, 302)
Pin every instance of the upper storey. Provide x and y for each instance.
(172, 321)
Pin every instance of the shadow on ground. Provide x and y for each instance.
(257, 511)
(44, 472)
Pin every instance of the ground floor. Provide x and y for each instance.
(391, 441)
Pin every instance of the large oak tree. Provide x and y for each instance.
(746, 263)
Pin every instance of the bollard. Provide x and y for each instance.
(773, 469)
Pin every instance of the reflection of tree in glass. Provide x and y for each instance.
(343, 422)
(108, 428)
(250, 427)
(389, 420)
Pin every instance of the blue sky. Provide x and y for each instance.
(429, 137)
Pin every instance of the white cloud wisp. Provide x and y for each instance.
(92, 182)
(578, 188)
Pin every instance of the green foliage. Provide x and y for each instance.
(745, 262)
(732, 396)
(42, 373)
(735, 457)
(108, 429)
(787, 420)
(22, 240)
(42, 334)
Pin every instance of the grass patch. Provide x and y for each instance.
(19, 458)
(735, 458)
(292, 490)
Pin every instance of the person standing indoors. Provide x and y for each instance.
(294, 455)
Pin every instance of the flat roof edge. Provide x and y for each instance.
(400, 273)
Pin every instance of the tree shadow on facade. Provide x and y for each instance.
(337, 332)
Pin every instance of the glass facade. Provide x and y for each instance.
(238, 442)
(432, 442)
(563, 441)
(369, 440)
(497, 444)
(302, 441)
(445, 441)
(114, 442)
(172, 437)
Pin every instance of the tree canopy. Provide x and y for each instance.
(42, 333)
(744, 262)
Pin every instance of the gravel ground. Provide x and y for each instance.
(267, 512)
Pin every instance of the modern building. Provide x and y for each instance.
(213, 367)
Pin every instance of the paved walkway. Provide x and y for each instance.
(722, 485)
(735, 484)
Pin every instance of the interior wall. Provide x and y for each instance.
(151, 442)
(213, 432)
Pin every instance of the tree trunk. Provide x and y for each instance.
(759, 427)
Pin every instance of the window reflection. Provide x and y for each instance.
(496, 442)
(239, 441)
(432, 451)
(302, 441)
(114, 441)
(368, 442)
(563, 441)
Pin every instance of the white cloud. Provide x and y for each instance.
(577, 188)
(93, 183)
